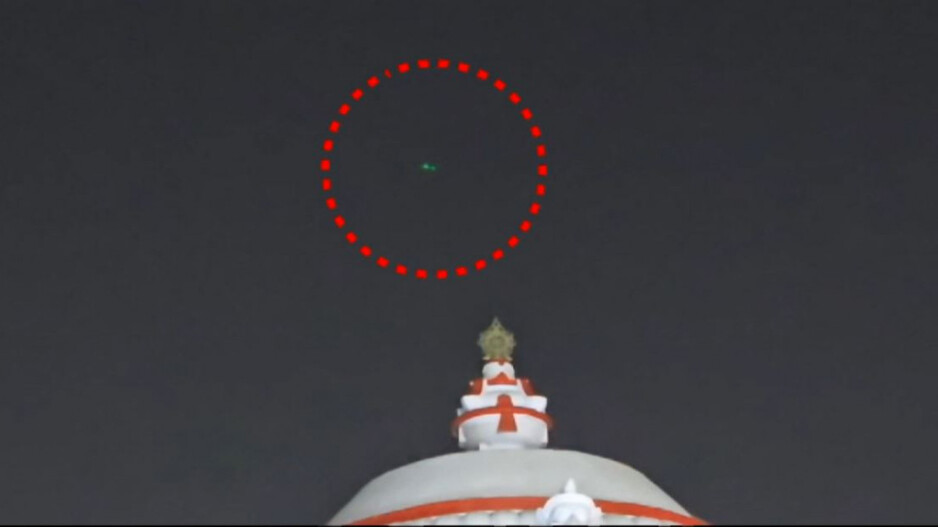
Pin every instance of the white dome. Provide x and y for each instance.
(507, 477)
(456, 488)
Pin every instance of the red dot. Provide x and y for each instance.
(327, 146)
(372, 82)
(541, 190)
(442, 63)
(480, 265)
(442, 274)
(462, 271)
(325, 165)
(339, 221)
(351, 237)
(366, 251)
(535, 208)
(514, 98)
(400, 269)
(423, 64)
(357, 94)
(334, 127)
(382, 261)
(525, 226)
(498, 254)
(421, 273)
(387, 73)
(343, 110)
(526, 113)
(541, 150)
(463, 67)
(542, 170)
(499, 84)
(482, 74)
(535, 131)
(513, 241)
(330, 203)
(403, 68)
(326, 183)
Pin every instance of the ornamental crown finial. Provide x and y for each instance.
(497, 343)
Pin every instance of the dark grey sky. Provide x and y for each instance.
(731, 287)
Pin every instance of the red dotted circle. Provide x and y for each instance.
(326, 166)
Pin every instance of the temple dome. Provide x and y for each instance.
(506, 487)
(506, 476)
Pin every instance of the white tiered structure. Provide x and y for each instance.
(507, 476)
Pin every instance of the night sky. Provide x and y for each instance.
(731, 285)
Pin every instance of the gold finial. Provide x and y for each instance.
(497, 342)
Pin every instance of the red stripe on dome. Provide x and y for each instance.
(518, 503)
(501, 379)
(501, 410)
(506, 421)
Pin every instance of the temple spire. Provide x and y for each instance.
(501, 410)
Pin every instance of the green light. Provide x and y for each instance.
(428, 167)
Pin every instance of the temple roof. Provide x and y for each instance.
(507, 476)
(483, 474)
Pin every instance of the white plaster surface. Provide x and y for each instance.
(569, 508)
(501, 473)
(481, 433)
(522, 518)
